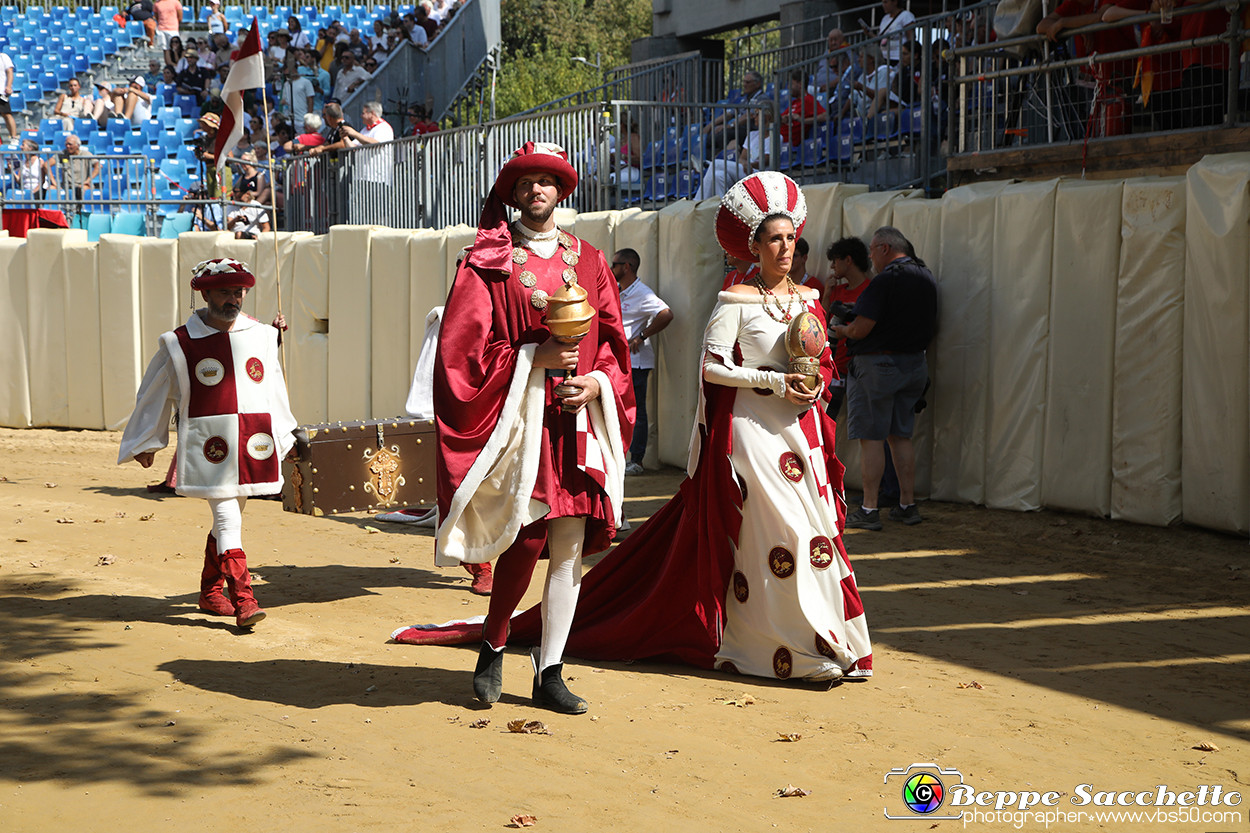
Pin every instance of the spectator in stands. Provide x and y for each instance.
(423, 20)
(173, 53)
(253, 176)
(326, 40)
(217, 23)
(379, 42)
(75, 170)
(283, 135)
(377, 129)
(6, 70)
(144, 12)
(194, 80)
(420, 123)
(296, 96)
(441, 11)
(320, 78)
(335, 125)
(371, 66)
(1204, 74)
(168, 21)
(72, 104)
(136, 101)
(33, 173)
(1073, 14)
(219, 43)
(837, 75)
(299, 38)
(415, 34)
(204, 147)
(625, 163)
(849, 268)
(738, 162)
(154, 75)
(278, 55)
(901, 92)
(356, 43)
(804, 112)
(168, 76)
(736, 125)
(310, 138)
(351, 76)
(893, 29)
(877, 76)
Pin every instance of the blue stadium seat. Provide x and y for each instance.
(150, 130)
(812, 153)
(885, 126)
(15, 198)
(687, 184)
(95, 202)
(47, 82)
(844, 151)
(169, 142)
(176, 224)
(786, 159)
(135, 31)
(85, 127)
(129, 222)
(98, 223)
(658, 187)
(99, 142)
(17, 101)
(117, 130)
(109, 45)
(79, 63)
(189, 105)
(168, 116)
(185, 128)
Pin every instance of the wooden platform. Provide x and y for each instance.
(1158, 154)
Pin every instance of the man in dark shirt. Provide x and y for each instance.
(194, 80)
(896, 317)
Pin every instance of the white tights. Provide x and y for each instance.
(228, 522)
(565, 539)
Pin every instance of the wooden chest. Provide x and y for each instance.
(375, 466)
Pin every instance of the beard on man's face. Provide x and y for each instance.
(536, 214)
(227, 311)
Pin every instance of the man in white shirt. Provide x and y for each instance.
(6, 80)
(295, 97)
(643, 315)
(351, 76)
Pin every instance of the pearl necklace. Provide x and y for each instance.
(768, 293)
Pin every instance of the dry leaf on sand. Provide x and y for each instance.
(527, 727)
(744, 700)
(973, 684)
(1207, 746)
(791, 791)
(147, 517)
(49, 485)
(525, 820)
(65, 520)
(105, 560)
(480, 724)
(790, 737)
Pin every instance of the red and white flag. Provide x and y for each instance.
(247, 72)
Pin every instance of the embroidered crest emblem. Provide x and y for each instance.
(255, 370)
(781, 562)
(210, 372)
(791, 467)
(783, 664)
(260, 446)
(824, 648)
(216, 450)
(822, 552)
(741, 590)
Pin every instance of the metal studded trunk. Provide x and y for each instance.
(374, 466)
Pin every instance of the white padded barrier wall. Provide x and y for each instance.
(1019, 330)
(159, 307)
(599, 230)
(119, 268)
(84, 347)
(456, 238)
(390, 367)
(1146, 407)
(1215, 423)
(308, 343)
(427, 265)
(1076, 470)
(15, 387)
(48, 322)
(920, 221)
(350, 278)
(196, 247)
(693, 268)
(961, 375)
(824, 221)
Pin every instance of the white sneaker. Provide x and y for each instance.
(633, 468)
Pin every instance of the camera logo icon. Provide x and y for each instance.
(923, 790)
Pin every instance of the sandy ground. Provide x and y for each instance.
(1105, 654)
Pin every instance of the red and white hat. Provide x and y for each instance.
(746, 205)
(222, 272)
(535, 157)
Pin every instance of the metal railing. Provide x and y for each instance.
(1026, 91)
(673, 79)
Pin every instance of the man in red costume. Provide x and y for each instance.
(523, 471)
(221, 371)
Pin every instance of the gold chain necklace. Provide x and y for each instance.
(768, 293)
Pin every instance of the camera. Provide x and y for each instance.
(840, 313)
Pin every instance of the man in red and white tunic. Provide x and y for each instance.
(221, 371)
(523, 471)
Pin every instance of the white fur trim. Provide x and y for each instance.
(607, 427)
(522, 412)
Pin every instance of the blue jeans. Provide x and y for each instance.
(638, 447)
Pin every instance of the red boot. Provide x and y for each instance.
(483, 578)
(211, 581)
(234, 565)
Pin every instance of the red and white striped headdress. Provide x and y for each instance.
(745, 206)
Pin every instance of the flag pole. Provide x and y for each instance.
(273, 202)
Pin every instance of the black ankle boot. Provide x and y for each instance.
(550, 692)
(488, 676)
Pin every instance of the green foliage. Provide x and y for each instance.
(540, 37)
